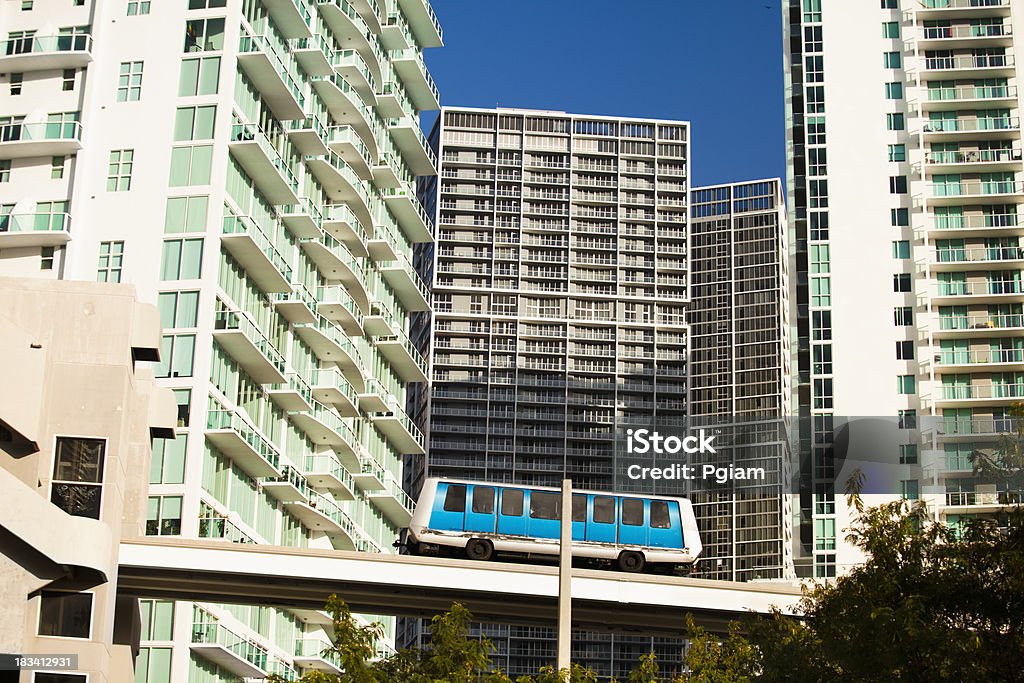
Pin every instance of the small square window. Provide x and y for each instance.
(891, 29)
(57, 165)
(15, 81)
(68, 82)
(908, 419)
(904, 350)
(897, 152)
(46, 258)
(26, 5)
(908, 454)
(890, 4)
(895, 121)
(903, 316)
(68, 615)
(900, 217)
(901, 249)
(129, 82)
(906, 384)
(894, 90)
(901, 282)
(898, 184)
(892, 60)
(135, 7)
(5, 170)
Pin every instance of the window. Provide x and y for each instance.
(904, 350)
(178, 310)
(483, 500)
(5, 171)
(892, 60)
(153, 664)
(68, 81)
(906, 384)
(901, 282)
(812, 11)
(579, 508)
(819, 225)
(194, 123)
(910, 489)
(186, 214)
(821, 291)
(891, 29)
(26, 5)
(632, 512)
(817, 161)
(129, 82)
(901, 249)
(183, 397)
(907, 419)
(119, 170)
(68, 615)
(204, 35)
(890, 4)
(908, 454)
(46, 258)
(903, 316)
(111, 255)
(15, 81)
(821, 325)
(176, 356)
(157, 617)
(199, 76)
(78, 476)
(163, 516)
(822, 359)
(544, 505)
(57, 167)
(604, 510)
(181, 260)
(820, 258)
(898, 184)
(900, 217)
(512, 502)
(894, 90)
(824, 534)
(659, 515)
(898, 152)
(59, 678)
(206, 4)
(455, 498)
(191, 165)
(137, 7)
(895, 121)
(167, 466)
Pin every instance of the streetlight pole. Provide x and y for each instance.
(565, 580)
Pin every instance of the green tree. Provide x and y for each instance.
(1004, 466)
(710, 659)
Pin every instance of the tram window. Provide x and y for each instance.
(512, 502)
(483, 500)
(659, 515)
(544, 505)
(632, 512)
(455, 499)
(579, 508)
(604, 510)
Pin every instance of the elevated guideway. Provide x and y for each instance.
(302, 578)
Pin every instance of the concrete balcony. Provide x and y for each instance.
(40, 139)
(324, 427)
(399, 429)
(977, 258)
(288, 487)
(978, 292)
(378, 321)
(341, 223)
(347, 107)
(324, 472)
(251, 147)
(293, 18)
(977, 360)
(237, 439)
(967, 395)
(974, 225)
(403, 356)
(370, 476)
(335, 262)
(409, 287)
(317, 655)
(978, 191)
(1002, 128)
(390, 171)
(395, 503)
(396, 34)
(335, 303)
(415, 149)
(384, 245)
(976, 325)
(247, 344)
(981, 501)
(256, 252)
(303, 220)
(341, 184)
(393, 102)
(974, 161)
(970, 428)
(331, 345)
(331, 387)
(228, 650)
(39, 53)
(296, 306)
(411, 215)
(350, 29)
(323, 514)
(295, 394)
(954, 9)
(419, 84)
(346, 143)
(354, 69)
(965, 36)
(313, 54)
(308, 135)
(374, 397)
(968, 97)
(34, 230)
(423, 22)
(222, 528)
(272, 75)
(968, 66)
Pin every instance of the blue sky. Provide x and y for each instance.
(717, 63)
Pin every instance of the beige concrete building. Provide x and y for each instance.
(77, 414)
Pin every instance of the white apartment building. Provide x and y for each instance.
(905, 168)
(249, 167)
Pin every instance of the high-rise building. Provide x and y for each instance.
(250, 168)
(905, 166)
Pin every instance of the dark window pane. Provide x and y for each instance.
(483, 500)
(579, 508)
(59, 678)
(604, 510)
(79, 460)
(632, 512)
(512, 502)
(455, 500)
(544, 505)
(659, 515)
(65, 614)
(80, 500)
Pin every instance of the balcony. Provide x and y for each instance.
(977, 258)
(351, 65)
(313, 54)
(395, 503)
(423, 22)
(297, 306)
(331, 387)
(270, 72)
(324, 471)
(976, 325)
(350, 29)
(341, 184)
(950, 9)
(335, 303)
(38, 53)
(965, 36)
(967, 360)
(403, 356)
(969, 428)
(378, 321)
(254, 152)
(370, 475)
(324, 427)
(969, 66)
(228, 650)
(341, 223)
(981, 501)
(293, 18)
(321, 513)
(247, 344)
(399, 429)
(256, 252)
(409, 139)
(384, 245)
(409, 287)
(346, 143)
(336, 262)
(237, 439)
(975, 160)
(295, 394)
(396, 33)
(34, 230)
(303, 220)
(392, 102)
(40, 139)
(1001, 128)
(317, 655)
(308, 135)
(331, 345)
(374, 397)
(288, 487)
(954, 193)
(347, 107)
(979, 394)
(418, 82)
(411, 215)
(222, 528)
(973, 225)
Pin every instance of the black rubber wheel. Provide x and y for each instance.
(631, 561)
(479, 549)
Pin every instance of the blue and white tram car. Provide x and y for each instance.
(480, 519)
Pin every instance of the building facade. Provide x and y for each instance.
(904, 186)
(72, 434)
(249, 166)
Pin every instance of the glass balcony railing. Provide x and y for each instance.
(245, 225)
(333, 378)
(41, 131)
(970, 188)
(295, 383)
(411, 123)
(352, 59)
(969, 498)
(290, 475)
(414, 54)
(80, 42)
(250, 132)
(236, 320)
(968, 62)
(972, 92)
(964, 4)
(980, 288)
(963, 392)
(980, 356)
(976, 221)
(348, 135)
(978, 254)
(224, 529)
(342, 213)
(974, 156)
(972, 125)
(981, 321)
(206, 630)
(965, 31)
(328, 464)
(35, 222)
(310, 648)
(225, 419)
(985, 426)
(282, 65)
